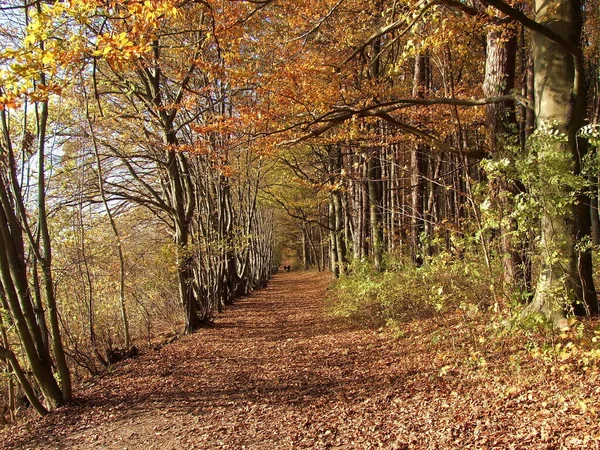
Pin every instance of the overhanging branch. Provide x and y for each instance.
(339, 115)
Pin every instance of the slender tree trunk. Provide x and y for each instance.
(418, 163)
(313, 249)
(46, 261)
(340, 241)
(304, 247)
(375, 196)
(13, 363)
(333, 253)
(113, 226)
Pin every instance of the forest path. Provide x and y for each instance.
(273, 372)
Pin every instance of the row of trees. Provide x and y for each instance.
(127, 190)
(458, 120)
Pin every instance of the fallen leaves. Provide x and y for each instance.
(274, 372)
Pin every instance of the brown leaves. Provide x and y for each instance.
(273, 372)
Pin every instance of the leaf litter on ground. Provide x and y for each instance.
(276, 372)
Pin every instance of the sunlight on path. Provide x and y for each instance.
(274, 372)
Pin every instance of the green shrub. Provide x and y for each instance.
(405, 292)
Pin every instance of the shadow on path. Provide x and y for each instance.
(273, 369)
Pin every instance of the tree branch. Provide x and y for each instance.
(338, 116)
(532, 25)
(391, 27)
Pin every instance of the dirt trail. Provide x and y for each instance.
(273, 372)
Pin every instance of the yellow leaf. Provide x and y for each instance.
(48, 58)
(30, 39)
(511, 390)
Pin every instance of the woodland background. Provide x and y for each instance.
(161, 158)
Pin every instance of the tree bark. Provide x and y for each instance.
(566, 280)
(375, 216)
(418, 167)
(502, 125)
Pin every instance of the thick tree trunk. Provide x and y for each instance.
(500, 80)
(560, 105)
(181, 199)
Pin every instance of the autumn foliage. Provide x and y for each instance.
(161, 158)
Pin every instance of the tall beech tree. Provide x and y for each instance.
(560, 104)
(565, 278)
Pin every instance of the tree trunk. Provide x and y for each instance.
(374, 182)
(418, 164)
(502, 125)
(333, 253)
(113, 226)
(560, 105)
(304, 247)
(340, 239)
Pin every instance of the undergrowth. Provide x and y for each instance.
(458, 309)
(404, 292)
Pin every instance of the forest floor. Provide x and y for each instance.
(275, 372)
